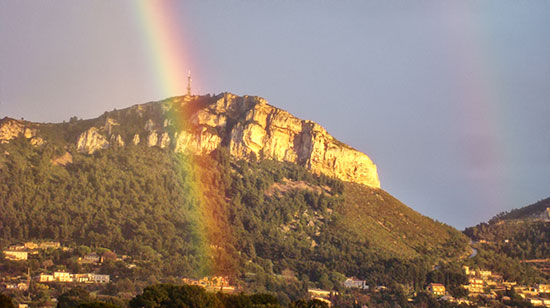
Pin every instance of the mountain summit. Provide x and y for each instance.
(248, 126)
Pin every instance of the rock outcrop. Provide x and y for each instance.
(267, 132)
(90, 141)
(10, 129)
(63, 160)
(248, 126)
(135, 140)
(152, 139)
(164, 140)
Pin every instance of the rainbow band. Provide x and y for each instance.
(164, 33)
(164, 39)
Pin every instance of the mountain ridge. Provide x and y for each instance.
(522, 233)
(247, 126)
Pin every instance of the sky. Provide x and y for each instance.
(449, 98)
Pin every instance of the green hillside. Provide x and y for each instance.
(521, 233)
(515, 243)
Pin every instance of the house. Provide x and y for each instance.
(543, 288)
(91, 258)
(99, 278)
(436, 289)
(497, 278)
(535, 301)
(462, 301)
(31, 245)
(219, 281)
(63, 276)
(82, 278)
(16, 247)
(475, 285)
(22, 286)
(319, 293)
(16, 255)
(485, 274)
(191, 281)
(530, 291)
(46, 245)
(46, 278)
(355, 283)
(227, 289)
(488, 296)
(509, 284)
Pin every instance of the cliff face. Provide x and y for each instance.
(276, 134)
(10, 129)
(248, 126)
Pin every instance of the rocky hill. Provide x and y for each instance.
(537, 211)
(245, 125)
(231, 185)
(522, 233)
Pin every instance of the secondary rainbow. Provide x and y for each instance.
(475, 67)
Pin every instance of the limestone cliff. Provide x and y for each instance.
(90, 141)
(247, 126)
(10, 129)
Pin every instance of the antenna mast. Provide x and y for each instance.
(189, 83)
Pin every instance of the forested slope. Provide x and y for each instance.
(268, 223)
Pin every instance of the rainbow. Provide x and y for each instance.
(164, 39)
(475, 69)
(483, 151)
(164, 34)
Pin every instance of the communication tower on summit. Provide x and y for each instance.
(189, 83)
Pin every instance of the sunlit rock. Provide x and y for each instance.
(90, 141)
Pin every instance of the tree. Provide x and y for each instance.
(264, 299)
(73, 298)
(312, 303)
(171, 296)
(96, 305)
(6, 302)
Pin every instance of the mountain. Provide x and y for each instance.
(199, 185)
(536, 211)
(522, 233)
(198, 125)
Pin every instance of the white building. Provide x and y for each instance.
(99, 278)
(63, 276)
(16, 255)
(46, 278)
(355, 283)
(81, 278)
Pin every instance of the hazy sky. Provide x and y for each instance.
(449, 98)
